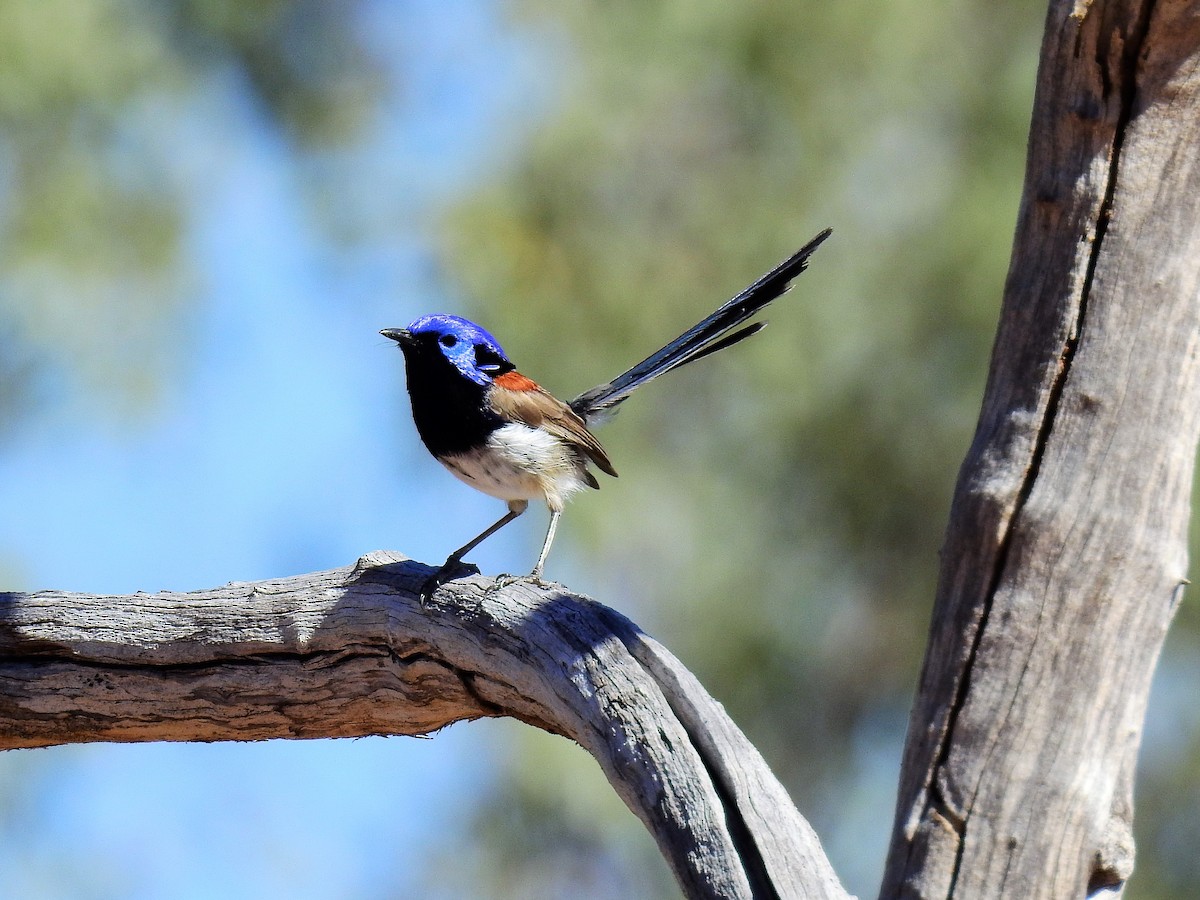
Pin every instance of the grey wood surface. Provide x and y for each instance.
(352, 652)
(1066, 552)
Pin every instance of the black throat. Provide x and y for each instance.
(450, 409)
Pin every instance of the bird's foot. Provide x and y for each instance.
(437, 579)
(429, 586)
(502, 581)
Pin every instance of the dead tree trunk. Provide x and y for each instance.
(1066, 550)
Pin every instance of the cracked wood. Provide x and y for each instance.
(351, 652)
(1066, 549)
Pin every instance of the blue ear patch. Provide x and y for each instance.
(474, 352)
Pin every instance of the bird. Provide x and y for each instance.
(502, 433)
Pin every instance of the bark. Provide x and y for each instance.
(1066, 550)
(351, 652)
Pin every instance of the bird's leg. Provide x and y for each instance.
(536, 575)
(434, 581)
(515, 508)
(555, 515)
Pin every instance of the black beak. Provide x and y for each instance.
(401, 336)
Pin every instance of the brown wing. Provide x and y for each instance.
(524, 401)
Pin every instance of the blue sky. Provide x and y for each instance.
(282, 443)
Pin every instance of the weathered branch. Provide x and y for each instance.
(351, 652)
(1066, 550)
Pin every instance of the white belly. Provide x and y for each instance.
(521, 463)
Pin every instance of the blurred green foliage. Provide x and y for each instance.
(92, 97)
(781, 507)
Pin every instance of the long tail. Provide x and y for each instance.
(708, 336)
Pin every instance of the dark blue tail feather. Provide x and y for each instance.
(707, 336)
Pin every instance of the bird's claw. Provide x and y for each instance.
(500, 582)
(430, 585)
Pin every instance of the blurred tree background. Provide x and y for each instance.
(780, 510)
(93, 97)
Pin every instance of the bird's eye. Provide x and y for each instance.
(448, 340)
